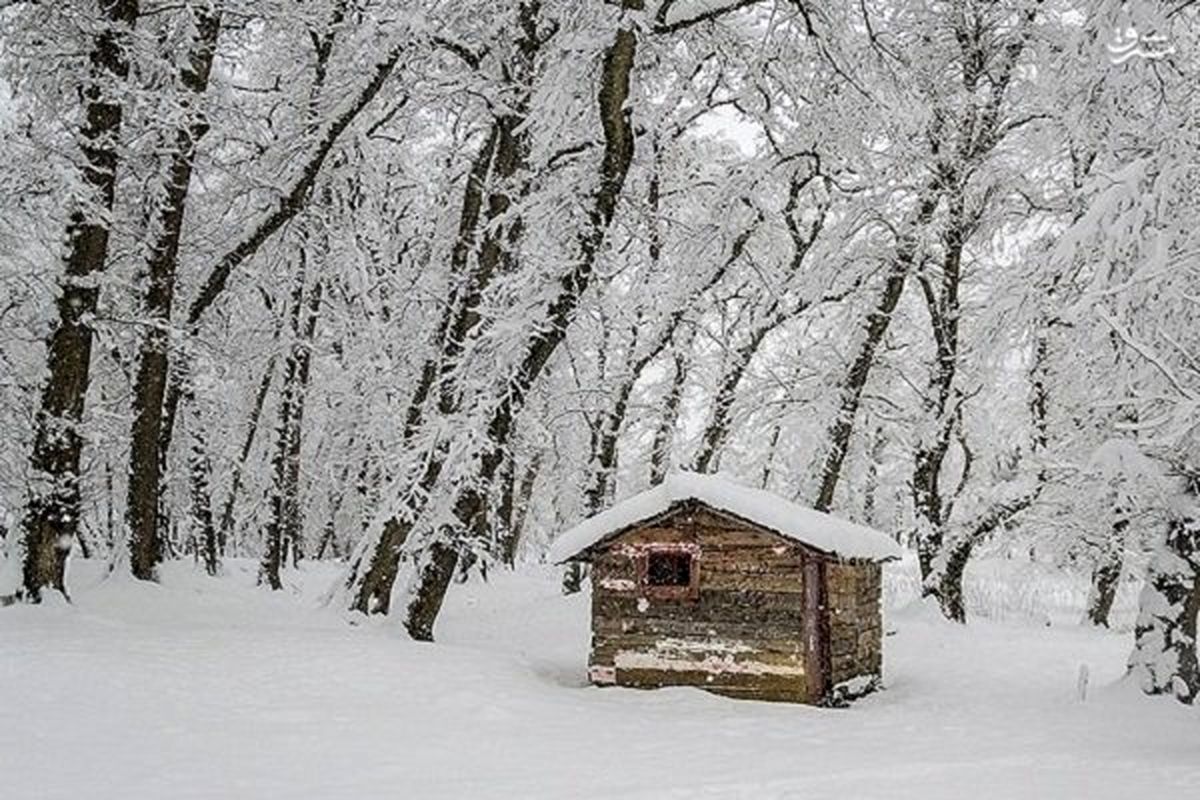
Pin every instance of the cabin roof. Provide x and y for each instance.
(816, 529)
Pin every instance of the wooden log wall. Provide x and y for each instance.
(740, 634)
(855, 621)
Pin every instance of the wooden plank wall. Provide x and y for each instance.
(855, 621)
(740, 635)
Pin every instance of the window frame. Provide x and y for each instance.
(690, 591)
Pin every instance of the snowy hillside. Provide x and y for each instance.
(207, 688)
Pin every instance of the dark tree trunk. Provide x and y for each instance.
(945, 583)
(518, 511)
(764, 481)
(52, 516)
(283, 531)
(664, 434)
(1164, 659)
(272, 533)
(200, 481)
(454, 315)
(957, 155)
(851, 387)
(328, 540)
(931, 451)
(433, 580)
(293, 519)
(1106, 576)
(660, 449)
(950, 584)
(573, 575)
(470, 510)
(490, 186)
(145, 462)
(871, 490)
(717, 431)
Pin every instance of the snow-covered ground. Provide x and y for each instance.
(214, 689)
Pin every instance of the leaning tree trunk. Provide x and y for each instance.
(470, 506)
(664, 432)
(51, 521)
(945, 581)
(1164, 653)
(492, 187)
(145, 462)
(717, 430)
(851, 387)
(373, 569)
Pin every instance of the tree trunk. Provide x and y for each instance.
(145, 462)
(660, 449)
(944, 314)
(950, 582)
(871, 490)
(716, 432)
(664, 434)
(292, 528)
(573, 575)
(490, 186)
(1106, 577)
(470, 506)
(283, 531)
(519, 511)
(226, 526)
(764, 480)
(433, 580)
(945, 581)
(52, 516)
(288, 205)
(200, 481)
(851, 387)
(1164, 653)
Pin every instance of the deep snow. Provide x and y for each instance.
(213, 688)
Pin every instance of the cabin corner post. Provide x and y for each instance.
(815, 624)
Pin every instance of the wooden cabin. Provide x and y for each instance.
(703, 582)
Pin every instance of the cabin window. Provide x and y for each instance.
(667, 568)
(669, 572)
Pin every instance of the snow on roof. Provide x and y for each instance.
(815, 528)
